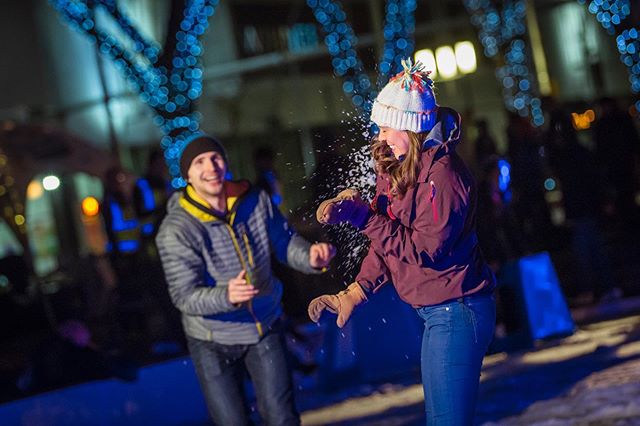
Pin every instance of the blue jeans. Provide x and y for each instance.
(456, 336)
(221, 368)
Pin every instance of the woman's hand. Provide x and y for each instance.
(342, 304)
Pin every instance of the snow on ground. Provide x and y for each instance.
(611, 397)
(386, 398)
(589, 378)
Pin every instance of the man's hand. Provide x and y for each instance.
(239, 290)
(320, 255)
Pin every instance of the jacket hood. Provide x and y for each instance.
(446, 132)
(441, 140)
(173, 202)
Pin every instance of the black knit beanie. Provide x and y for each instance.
(196, 146)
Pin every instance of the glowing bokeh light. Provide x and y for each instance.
(19, 219)
(50, 183)
(34, 190)
(90, 206)
(549, 184)
(341, 43)
(429, 60)
(170, 92)
(446, 62)
(465, 57)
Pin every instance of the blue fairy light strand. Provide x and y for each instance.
(398, 35)
(517, 83)
(497, 28)
(141, 44)
(341, 42)
(486, 18)
(628, 44)
(501, 32)
(514, 15)
(611, 14)
(169, 92)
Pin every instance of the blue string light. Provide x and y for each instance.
(140, 44)
(514, 15)
(341, 42)
(610, 14)
(502, 32)
(170, 92)
(629, 48)
(486, 18)
(398, 35)
(517, 84)
(497, 28)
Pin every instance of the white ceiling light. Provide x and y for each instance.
(426, 57)
(50, 182)
(446, 60)
(465, 57)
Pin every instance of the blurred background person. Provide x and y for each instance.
(151, 193)
(484, 144)
(266, 175)
(617, 153)
(527, 177)
(125, 253)
(575, 168)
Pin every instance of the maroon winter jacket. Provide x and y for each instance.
(426, 244)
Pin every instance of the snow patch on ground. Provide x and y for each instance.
(387, 397)
(590, 378)
(611, 397)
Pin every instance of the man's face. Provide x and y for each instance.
(206, 174)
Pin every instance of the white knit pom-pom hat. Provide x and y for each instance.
(407, 102)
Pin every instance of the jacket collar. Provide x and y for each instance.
(199, 208)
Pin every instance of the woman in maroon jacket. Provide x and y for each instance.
(421, 224)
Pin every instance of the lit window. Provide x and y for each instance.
(426, 57)
(465, 57)
(446, 60)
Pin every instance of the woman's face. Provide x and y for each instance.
(397, 140)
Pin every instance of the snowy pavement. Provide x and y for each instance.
(589, 378)
(610, 397)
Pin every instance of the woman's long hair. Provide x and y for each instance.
(403, 174)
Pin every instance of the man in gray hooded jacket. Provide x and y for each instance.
(215, 245)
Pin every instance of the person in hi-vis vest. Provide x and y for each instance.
(151, 193)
